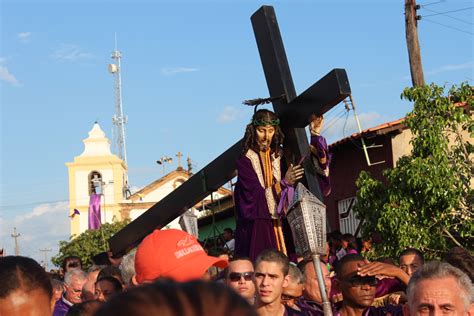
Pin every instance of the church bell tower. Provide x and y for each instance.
(95, 171)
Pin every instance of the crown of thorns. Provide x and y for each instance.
(264, 122)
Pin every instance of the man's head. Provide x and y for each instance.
(271, 275)
(240, 276)
(295, 286)
(311, 287)
(89, 287)
(348, 241)
(173, 254)
(25, 288)
(127, 269)
(228, 234)
(462, 259)
(410, 260)
(357, 291)
(439, 288)
(263, 132)
(71, 262)
(74, 281)
(58, 288)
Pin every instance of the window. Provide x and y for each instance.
(95, 183)
(348, 221)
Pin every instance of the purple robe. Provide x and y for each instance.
(254, 230)
(94, 211)
(61, 307)
(319, 142)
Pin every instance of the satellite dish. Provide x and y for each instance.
(113, 68)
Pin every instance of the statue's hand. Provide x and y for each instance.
(293, 174)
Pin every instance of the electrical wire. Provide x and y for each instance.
(451, 17)
(458, 10)
(334, 117)
(431, 3)
(451, 27)
(15, 207)
(335, 120)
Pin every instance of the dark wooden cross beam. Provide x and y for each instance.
(293, 111)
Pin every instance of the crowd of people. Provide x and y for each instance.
(170, 273)
(258, 273)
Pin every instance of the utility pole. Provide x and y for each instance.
(411, 33)
(15, 235)
(45, 251)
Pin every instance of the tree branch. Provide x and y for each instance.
(451, 237)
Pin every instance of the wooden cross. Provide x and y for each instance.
(293, 112)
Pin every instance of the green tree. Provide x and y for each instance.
(88, 244)
(426, 200)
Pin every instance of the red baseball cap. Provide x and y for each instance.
(175, 254)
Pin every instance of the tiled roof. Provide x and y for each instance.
(377, 130)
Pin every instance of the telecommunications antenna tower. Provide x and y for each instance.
(119, 120)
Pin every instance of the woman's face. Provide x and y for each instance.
(104, 290)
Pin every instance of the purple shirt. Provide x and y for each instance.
(61, 307)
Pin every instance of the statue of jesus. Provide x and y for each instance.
(260, 223)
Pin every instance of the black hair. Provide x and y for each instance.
(110, 271)
(229, 230)
(69, 258)
(412, 251)
(272, 255)
(461, 259)
(346, 259)
(118, 287)
(350, 240)
(84, 309)
(169, 298)
(17, 272)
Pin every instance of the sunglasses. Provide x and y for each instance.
(236, 276)
(286, 298)
(359, 280)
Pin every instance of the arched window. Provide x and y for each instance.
(95, 183)
(177, 183)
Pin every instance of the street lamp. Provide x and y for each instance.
(162, 161)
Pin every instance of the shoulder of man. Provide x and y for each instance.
(310, 308)
(293, 312)
(391, 310)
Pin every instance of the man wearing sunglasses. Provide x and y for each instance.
(240, 276)
(358, 289)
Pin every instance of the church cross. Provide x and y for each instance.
(179, 155)
(293, 112)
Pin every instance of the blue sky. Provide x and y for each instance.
(186, 67)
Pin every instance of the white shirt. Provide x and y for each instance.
(230, 244)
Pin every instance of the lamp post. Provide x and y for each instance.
(162, 161)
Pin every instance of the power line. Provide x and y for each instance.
(431, 3)
(11, 207)
(451, 27)
(449, 11)
(451, 17)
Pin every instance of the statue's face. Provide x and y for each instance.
(264, 136)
